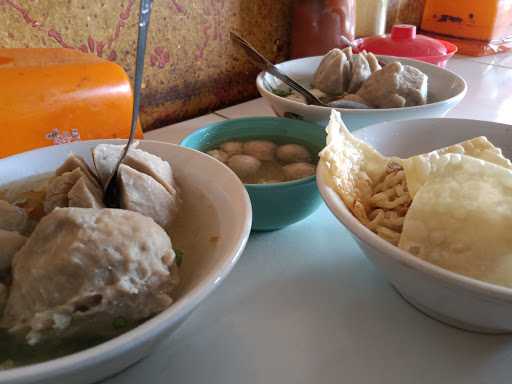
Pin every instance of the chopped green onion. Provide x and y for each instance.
(281, 92)
(119, 323)
(179, 256)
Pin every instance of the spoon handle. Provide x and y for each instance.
(263, 63)
(111, 192)
(349, 43)
(144, 15)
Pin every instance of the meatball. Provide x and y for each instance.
(12, 218)
(10, 243)
(360, 72)
(244, 165)
(298, 170)
(293, 153)
(333, 73)
(232, 147)
(263, 150)
(219, 155)
(82, 268)
(395, 86)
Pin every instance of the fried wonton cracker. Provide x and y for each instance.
(378, 190)
(371, 185)
(353, 166)
(460, 219)
(418, 168)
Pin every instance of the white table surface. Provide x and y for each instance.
(303, 305)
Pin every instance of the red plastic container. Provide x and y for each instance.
(404, 42)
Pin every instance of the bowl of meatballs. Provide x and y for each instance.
(365, 88)
(86, 290)
(276, 160)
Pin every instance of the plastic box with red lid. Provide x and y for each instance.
(404, 42)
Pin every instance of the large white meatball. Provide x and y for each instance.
(298, 170)
(10, 243)
(83, 268)
(244, 165)
(12, 218)
(232, 147)
(219, 155)
(293, 153)
(263, 150)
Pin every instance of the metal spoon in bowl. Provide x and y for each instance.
(111, 196)
(263, 63)
(351, 44)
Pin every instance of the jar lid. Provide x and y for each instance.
(403, 42)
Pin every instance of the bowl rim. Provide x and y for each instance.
(455, 98)
(158, 324)
(337, 206)
(205, 128)
(284, 184)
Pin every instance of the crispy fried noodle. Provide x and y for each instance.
(388, 204)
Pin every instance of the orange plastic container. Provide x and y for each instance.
(485, 20)
(54, 95)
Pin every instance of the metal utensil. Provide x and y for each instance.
(351, 44)
(347, 104)
(263, 63)
(111, 196)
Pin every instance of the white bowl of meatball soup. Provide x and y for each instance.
(86, 290)
(365, 91)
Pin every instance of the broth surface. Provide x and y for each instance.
(268, 171)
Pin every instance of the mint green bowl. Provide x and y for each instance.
(274, 205)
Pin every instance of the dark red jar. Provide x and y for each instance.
(318, 25)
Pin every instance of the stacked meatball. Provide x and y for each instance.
(262, 161)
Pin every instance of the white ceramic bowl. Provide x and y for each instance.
(219, 206)
(452, 298)
(446, 90)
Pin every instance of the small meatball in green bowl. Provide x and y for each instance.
(276, 160)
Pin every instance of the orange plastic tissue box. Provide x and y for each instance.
(53, 95)
(477, 27)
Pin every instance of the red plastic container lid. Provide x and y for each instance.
(404, 42)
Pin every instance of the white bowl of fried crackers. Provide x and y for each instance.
(429, 202)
